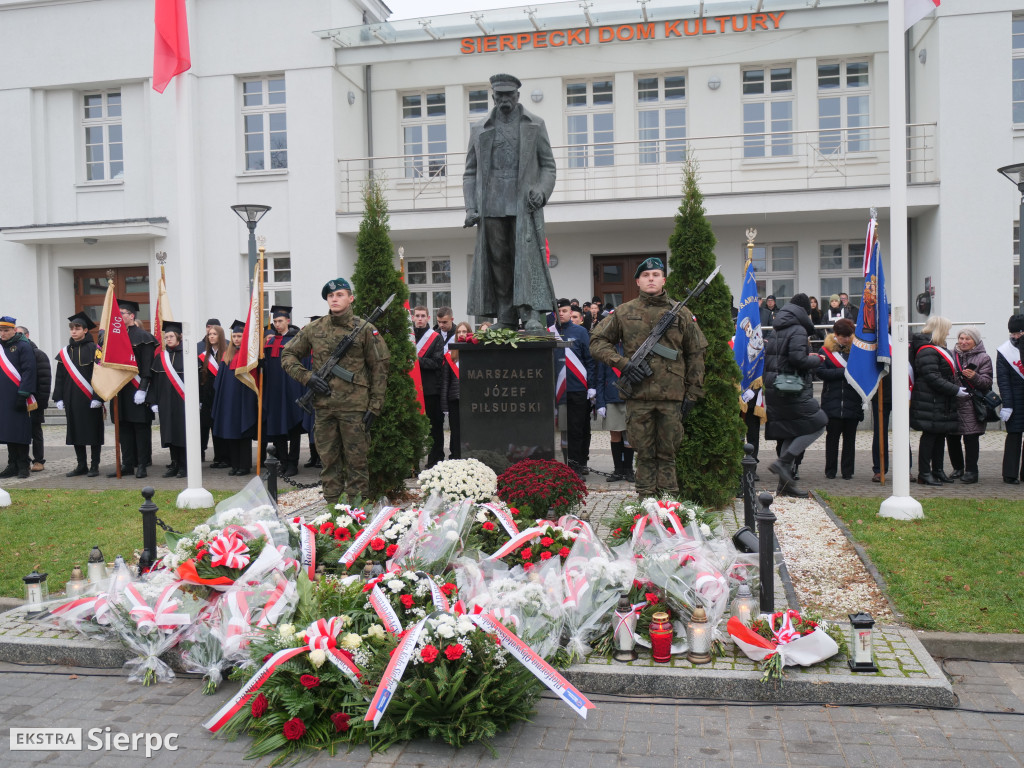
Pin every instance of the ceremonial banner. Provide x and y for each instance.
(116, 365)
(251, 351)
(915, 10)
(171, 55)
(748, 343)
(870, 353)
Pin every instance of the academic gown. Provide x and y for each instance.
(280, 391)
(84, 424)
(165, 393)
(234, 407)
(144, 348)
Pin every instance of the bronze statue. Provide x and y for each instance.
(509, 177)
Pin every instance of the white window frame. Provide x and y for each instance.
(109, 121)
(590, 126)
(475, 117)
(435, 269)
(277, 281)
(772, 134)
(1018, 71)
(769, 277)
(430, 158)
(271, 110)
(662, 143)
(845, 132)
(851, 273)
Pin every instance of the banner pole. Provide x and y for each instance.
(117, 437)
(883, 435)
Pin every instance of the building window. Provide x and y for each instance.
(479, 104)
(264, 123)
(661, 105)
(1018, 70)
(844, 102)
(277, 281)
(775, 270)
(424, 134)
(841, 270)
(104, 141)
(430, 283)
(768, 112)
(590, 123)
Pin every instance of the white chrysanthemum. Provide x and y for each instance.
(351, 641)
(396, 585)
(286, 631)
(464, 627)
(481, 517)
(317, 657)
(705, 529)
(410, 576)
(376, 631)
(446, 632)
(452, 536)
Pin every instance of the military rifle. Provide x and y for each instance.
(645, 350)
(330, 369)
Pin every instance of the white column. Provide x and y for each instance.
(194, 496)
(901, 505)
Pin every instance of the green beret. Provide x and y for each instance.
(337, 284)
(652, 263)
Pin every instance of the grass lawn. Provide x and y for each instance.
(959, 569)
(57, 529)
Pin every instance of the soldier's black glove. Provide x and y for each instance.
(21, 404)
(368, 419)
(318, 385)
(637, 372)
(686, 407)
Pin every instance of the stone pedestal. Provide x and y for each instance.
(507, 402)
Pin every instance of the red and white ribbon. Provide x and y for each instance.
(425, 341)
(363, 539)
(159, 616)
(172, 375)
(504, 516)
(385, 611)
(453, 364)
(76, 375)
(229, 551)
(307, 548)
(516, 541)
(15, 376)
(393, 673)
(319, 636)
(211, 362)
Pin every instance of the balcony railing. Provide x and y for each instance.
(740, 163)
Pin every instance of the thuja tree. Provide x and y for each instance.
(399, 436)
(708, 461)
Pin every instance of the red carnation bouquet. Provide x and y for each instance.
(535, 486)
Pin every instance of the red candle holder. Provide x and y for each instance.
(661, 633)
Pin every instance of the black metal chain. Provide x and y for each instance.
(299, 486)
(580, 467)
(167, 528)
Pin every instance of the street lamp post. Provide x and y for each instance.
(1015, 173)
(251, 214)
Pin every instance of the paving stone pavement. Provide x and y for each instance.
(618, 733)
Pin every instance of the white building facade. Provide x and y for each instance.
(783, 103)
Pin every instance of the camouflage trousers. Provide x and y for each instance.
(342, 442)
(655, 430)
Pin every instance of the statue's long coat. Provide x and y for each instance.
(532, 286)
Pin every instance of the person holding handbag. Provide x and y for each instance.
(974, 366)
(794, 416)
(933, 401)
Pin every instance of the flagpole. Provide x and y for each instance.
(259, 384)
(194, 496)
(117, 439)
(901, 505)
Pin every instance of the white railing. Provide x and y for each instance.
(739, 163)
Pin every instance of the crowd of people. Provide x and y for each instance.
(948, 404)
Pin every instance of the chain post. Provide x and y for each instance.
(148, 510)
(766, 552)
(273, 464)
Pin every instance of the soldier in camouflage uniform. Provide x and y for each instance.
(345, 410)
(665, 388)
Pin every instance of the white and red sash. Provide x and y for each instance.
(76, 375)
(136, 381)
(425, 341)
(1012, 355)
(945, 356)
(837, 360)
(453, 364)
(15, 375)
(572, 361)
(211, 363)
(172, 375)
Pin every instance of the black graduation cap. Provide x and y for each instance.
(171, 325)
(131, 306)
(82, 319)
(279, 310)
(238, 326)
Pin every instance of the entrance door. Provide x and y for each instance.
(613, 276)
(130, 283)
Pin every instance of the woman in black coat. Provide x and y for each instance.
(73, 394)
(167, 397)
(1010, 375)
(450, 390)
(795, 419)
(841, 402)
(933, 407)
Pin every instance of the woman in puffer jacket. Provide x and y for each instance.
(974, 366)
(796, 419)
(933, 407)
(841, 402)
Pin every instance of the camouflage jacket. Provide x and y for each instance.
(367, 359)
(632, 323)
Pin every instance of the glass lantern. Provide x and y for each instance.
(698, 637)
(77, 585)
(97, 567)
(862, 643)
(744, 605)
(36, 593)
(624, 630)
